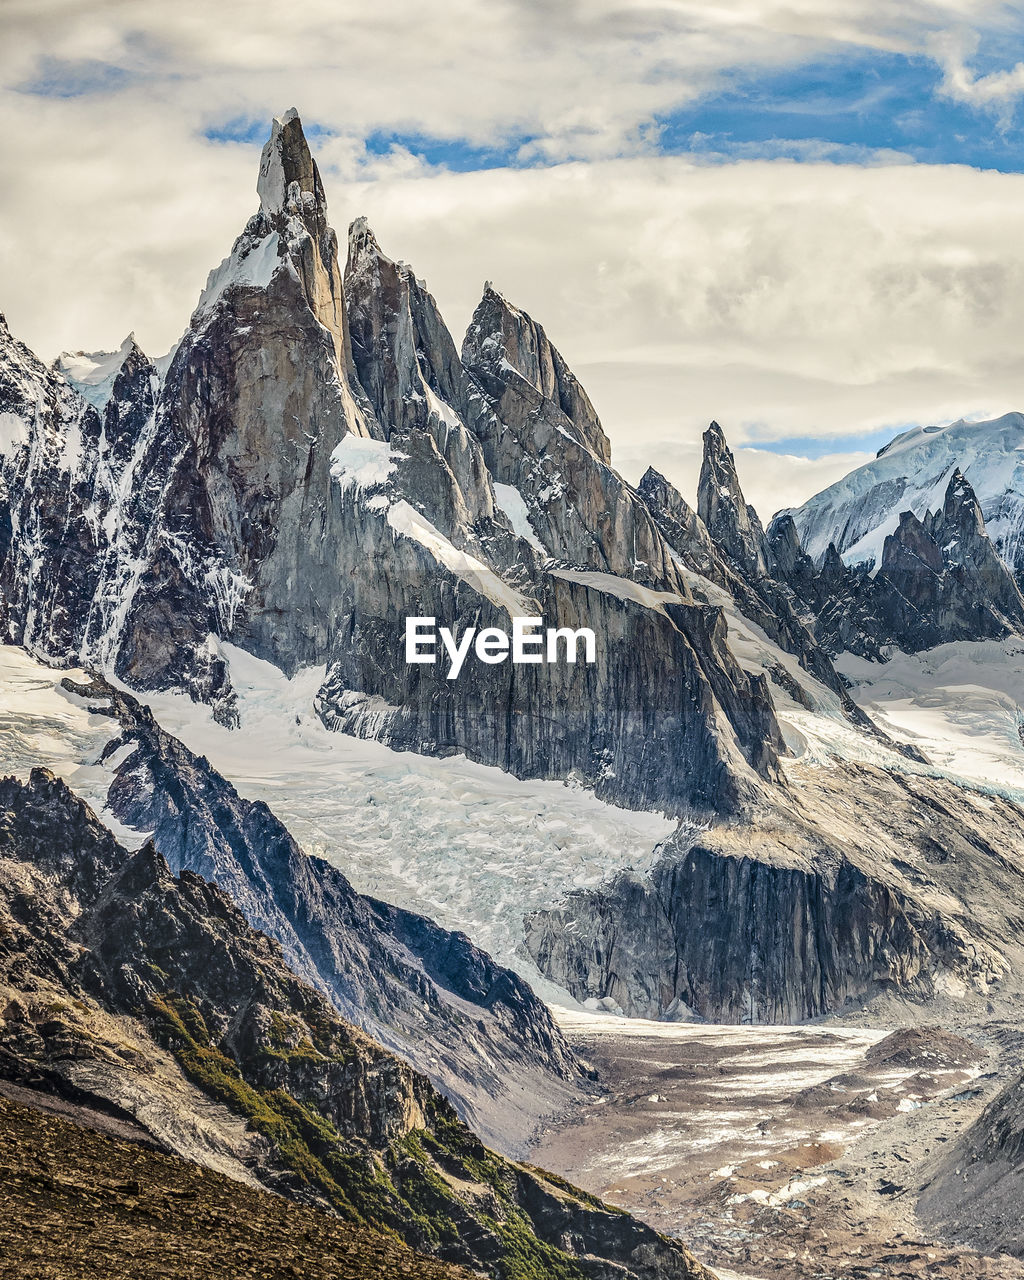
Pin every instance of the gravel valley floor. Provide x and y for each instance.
(778, 1153)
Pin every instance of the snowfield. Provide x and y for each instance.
(960, 703)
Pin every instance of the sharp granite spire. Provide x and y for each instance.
(286, 159)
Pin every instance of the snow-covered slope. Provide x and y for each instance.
(911, 474)
(93, 373)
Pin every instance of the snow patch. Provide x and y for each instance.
(622, 588)
(42, 724)
(93, 373)
(252, 266)
(13, 434)
(359, 463)
(511, 501)
(408, 522)
(961, 703)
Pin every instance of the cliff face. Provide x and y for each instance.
(869, 885)
(105, 955)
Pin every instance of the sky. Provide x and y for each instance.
(803, 219)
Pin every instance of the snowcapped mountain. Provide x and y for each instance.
(319, 460)
(857, 513)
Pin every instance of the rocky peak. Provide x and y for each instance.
(287, 168)
(961, 510)
(420, 393)
(678, 521)
(784, 544)
(94, 373)
(129, 405)
(513, 358)
(722, 507)
(911, 545)
(45, 825)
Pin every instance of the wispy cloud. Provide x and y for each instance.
(997, 91)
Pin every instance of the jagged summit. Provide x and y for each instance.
(363, 247)
(510, 354)
(722, 507)
(93, 373)
(287, 160)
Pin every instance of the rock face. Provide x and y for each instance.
(102, 950)
(721, 505)
(870, 884)
(736, 561)
(50, 499)
(474, 1028)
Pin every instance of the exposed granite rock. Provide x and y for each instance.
(733, 525)
(317, 468)
(50, 503)
(544, 439)
(765, 600)
(871, 883)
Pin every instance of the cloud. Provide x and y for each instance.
(786, 298)
(998, 91)
(582, 78)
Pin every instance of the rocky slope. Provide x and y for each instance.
(125, 987)
(973, 1191)
(473, 1027)
(77, 1200)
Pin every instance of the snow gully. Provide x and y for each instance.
(493, 645)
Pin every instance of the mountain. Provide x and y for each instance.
(148, 997)
(317, 438)
(939, 579)
(318, 461)
(912, 473)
